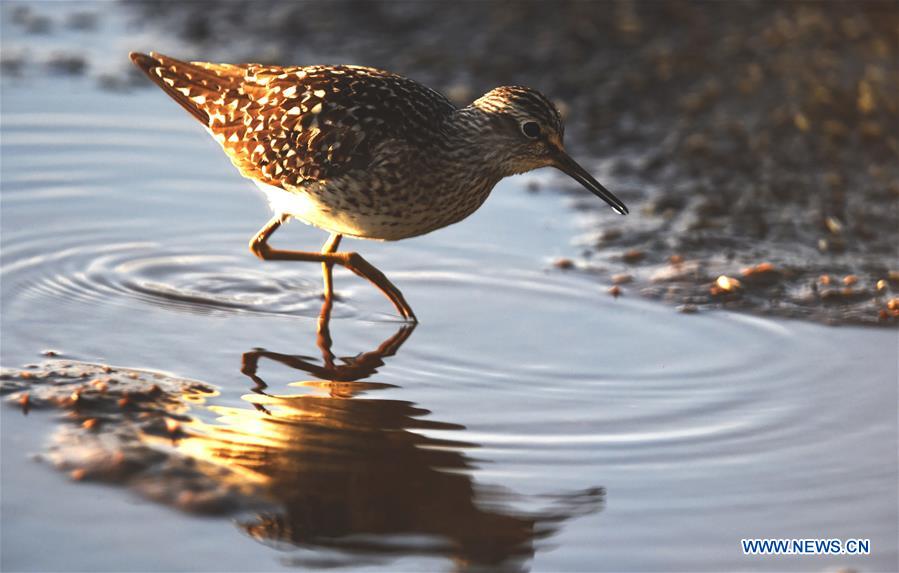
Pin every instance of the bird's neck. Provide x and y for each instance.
(464, 137)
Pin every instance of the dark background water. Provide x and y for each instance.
(601, 433)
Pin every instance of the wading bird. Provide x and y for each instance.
(365, 153)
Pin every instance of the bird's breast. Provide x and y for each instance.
(375, 207)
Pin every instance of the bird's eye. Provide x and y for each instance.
(531, 129)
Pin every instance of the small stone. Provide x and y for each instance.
(833, 225)
(633, 256)
(725, 284)
(622, 278)
(563, 264)
(25, 402)
(611, 234)
(688, 309)
(762, 273)
(615, 291)
(172, 426)
(850, 280)
(99, 385)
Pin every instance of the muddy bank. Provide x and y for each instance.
(740, 133)
(123, 426)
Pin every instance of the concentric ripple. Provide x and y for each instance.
(144, 272)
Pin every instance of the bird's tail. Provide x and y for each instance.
(199, 87)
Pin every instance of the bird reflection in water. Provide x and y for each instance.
(354, 478)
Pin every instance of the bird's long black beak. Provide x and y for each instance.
(564, 163)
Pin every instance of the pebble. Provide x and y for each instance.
(725, 284)
(762, 273)
(633, 256)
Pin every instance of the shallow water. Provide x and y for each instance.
(530, 420)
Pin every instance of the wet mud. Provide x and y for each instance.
(122, 426)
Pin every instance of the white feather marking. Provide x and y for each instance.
(302, 206)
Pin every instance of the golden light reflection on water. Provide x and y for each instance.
(352, 473)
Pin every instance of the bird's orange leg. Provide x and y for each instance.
(324, 317)
(328, 257)
(330, 246)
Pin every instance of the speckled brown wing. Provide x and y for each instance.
(316, 123)
(289, 127)
(199, 87)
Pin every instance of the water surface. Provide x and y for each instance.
(531, 421)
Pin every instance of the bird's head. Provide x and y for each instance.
(526, 133)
